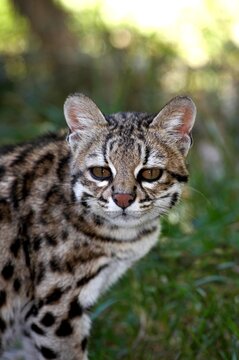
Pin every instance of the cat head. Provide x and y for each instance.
(128, 168)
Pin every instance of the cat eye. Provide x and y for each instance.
(150, 175)
(100, 173)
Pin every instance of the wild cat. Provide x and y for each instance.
(76, 214)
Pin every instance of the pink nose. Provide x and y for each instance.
(123, 200)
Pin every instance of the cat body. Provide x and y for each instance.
(76, 214)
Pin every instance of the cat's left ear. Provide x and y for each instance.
(177, 119)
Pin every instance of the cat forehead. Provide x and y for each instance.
(126, 150)
(127, 128)
(125, 131)
(127, 139)
(129, 119)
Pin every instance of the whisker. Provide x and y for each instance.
(200, 193)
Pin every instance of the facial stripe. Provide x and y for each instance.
(146, 156)
(174, 199)
(178, 177)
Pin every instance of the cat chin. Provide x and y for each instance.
(129, 220)
(125, 221)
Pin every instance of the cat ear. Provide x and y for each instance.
(82, 115)
(177, 120)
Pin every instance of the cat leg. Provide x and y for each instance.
(60, 335)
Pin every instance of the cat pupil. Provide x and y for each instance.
(150, 174)
(101, 173)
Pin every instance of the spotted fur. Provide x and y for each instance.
(64, 239)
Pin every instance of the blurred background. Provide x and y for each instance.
(181, 301)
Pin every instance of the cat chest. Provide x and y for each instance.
(108, 275)
(109, 272)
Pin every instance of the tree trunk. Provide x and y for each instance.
(49, 22)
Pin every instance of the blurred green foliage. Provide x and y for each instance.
(181, 301)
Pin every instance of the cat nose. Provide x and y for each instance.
(123, 200)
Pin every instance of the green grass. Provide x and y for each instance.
(182, 300)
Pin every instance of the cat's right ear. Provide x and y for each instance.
(82, 116)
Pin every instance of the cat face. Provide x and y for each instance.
(128, 168)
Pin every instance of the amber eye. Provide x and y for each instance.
(100, 173)
(150, 174)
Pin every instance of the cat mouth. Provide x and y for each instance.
(117, 215)
(124, 214)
